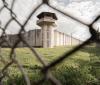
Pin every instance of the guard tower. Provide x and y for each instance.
(47, 23)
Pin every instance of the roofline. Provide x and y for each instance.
(47, 12)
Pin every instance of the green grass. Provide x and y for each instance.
(81, 68)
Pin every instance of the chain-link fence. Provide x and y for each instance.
(47, 75)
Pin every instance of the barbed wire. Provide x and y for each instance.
(46, 67)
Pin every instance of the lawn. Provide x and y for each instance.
(81, 68)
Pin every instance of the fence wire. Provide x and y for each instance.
(46, 67)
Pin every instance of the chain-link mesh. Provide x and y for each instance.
(46, 67)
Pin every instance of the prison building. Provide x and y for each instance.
(47, 36)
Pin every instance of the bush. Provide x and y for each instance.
(75, 76)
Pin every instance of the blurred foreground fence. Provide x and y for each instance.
(46, 67)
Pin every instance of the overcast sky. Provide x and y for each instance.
(84, 10)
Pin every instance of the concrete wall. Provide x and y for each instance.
(34, 38)
(62, 39)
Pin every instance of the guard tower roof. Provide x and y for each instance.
(49, 14)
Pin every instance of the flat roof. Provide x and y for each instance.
(49, 14)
